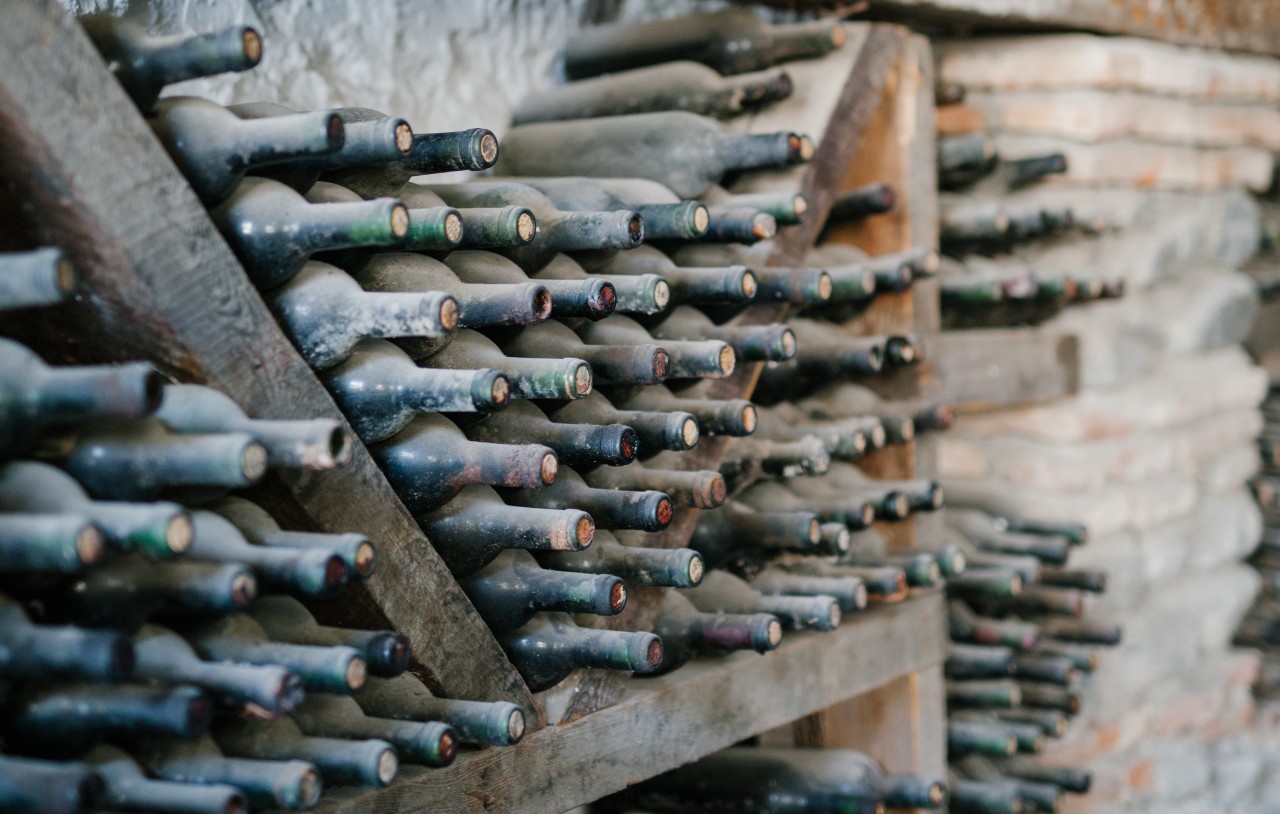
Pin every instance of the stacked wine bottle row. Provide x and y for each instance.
(991, 207)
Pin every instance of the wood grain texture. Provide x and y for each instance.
(87, 175)
(668, 721)
(987, 369)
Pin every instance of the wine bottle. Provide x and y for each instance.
(165, 657)
(405, 698)
(475, 526)
(430, 460)
(981, 582)
(260, 528)
(274, 230)
(977, 661)
(71, 719)
(733, 284)
(747, 458)
(687, 632)
(675, 85)
(145, 64)
(746, 779)
(689, 358)
(989, 534)
(1050, 722)
(123, 591)
(34, 396)
(861, 202)
(744, 225)
(1073, 780)
(547, 649)
(853, 511)
(799, 285)
(884, 584)
(964, 159)
(1037, 695)
(552, 377)
(843, 439)
(980, 737)
(47, 543)
(34, 278)
(984, 694)
(369, 763)
(1036, 796)
(665, 215)
(285, 619)
(511, 589)
(646, 510)
(482, 227)
(428, 743)
(318, 443)
(1082, 631)
(1022, 171)
(611, 445)
(722, 592)
(985, 797)
(636, 294)
(140, 460)
(702, 489)
(558, 230)
(722, 536)
(127, 788)
(591, 298)
(678, 431)
(431, 229)
(786, 208)
(214, 148)
(49, 787)
(637, 565)
(685, 152)
(326, 314)
(380, 389)
(750, 343)
(849, 592)
(1058, 670)
(429, 153)
(29, 651)
(368, 136)
(967, 626)
(300, 571)
(290, 784)
(1083, 657)
(321, 668)
(625, 362)
(1038, 600)
(732, 41)
(734, 417)
(1095, 582)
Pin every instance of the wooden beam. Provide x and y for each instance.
(991, 368)
(668, 721)
(88, 175)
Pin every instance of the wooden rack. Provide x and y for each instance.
(83, 171)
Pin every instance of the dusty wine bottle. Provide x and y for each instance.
(274, 230)
(636, 294)
(967, 626)
(751, 343)
(685, 152)
(984, 694)
(342, 762)
(1073, 780)
(71, 719)
(591, 298)
(722, 592)
(551, 646)
(798, 285)
(429, 153)
(746, 458)
(732, 41)
(646, 510)
(48, 543)
(687, 632)
(405, 698)
(862, 202)
(428, 743)
(984, 797)
(144, 64)
(637, 565)
(321, 668)
(746, 225)
(844, 439)
(677, 431)
(285, 619)
(318, 443)
(127, 788)
(734, 417)
(475, 526)
(1033, 796)
(482, 227)
(773, 495)
(722, 536)
(787, 208)
(981, 582)
(431, 229)
(965, 158)
(849, 592)
(553, 377)
(702, 489)
(974, 661)
(665, 215)
(430, 460)
(140, 460)
(734, 284)
(34, 278)
(688, 358)
(676, 85)
(293, 784)
(623, 363)
(611, 445)
(380, 389)
(164, 656)
(511, 589)
(301, 571)
(259, 528)
(29, 651)
(214, 148)
(49, 787)
(979, 737)
(326, 314)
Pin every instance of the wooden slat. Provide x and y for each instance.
(87, 174)
(1002, 367)
(668, 721)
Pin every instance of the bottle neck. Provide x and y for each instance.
(761, 150)
(259, 142)
(577, 231)
(71, 394)
(330, 226)
(475, 150)
(175, 59)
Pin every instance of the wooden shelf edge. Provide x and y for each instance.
(993, 368)
(162, 285)
(672, 720)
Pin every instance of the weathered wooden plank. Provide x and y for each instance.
(955, 120)
(671, 720)
(1002, 367)
(161, 284)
